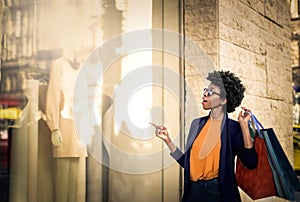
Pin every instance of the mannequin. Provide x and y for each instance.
(69, 152)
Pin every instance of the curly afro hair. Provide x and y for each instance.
(231, 88)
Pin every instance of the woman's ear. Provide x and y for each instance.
(223, 101)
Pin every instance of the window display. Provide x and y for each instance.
(59, 151)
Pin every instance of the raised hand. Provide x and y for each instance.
(162, 133)
(245, 116)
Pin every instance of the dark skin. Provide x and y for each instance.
(215, 103)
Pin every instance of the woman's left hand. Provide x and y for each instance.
(245, 116)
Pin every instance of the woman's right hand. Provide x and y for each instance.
(162, 133)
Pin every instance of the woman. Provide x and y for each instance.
(214, 141)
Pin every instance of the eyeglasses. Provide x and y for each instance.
(210, 92)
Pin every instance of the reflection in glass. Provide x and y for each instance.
(35, 35)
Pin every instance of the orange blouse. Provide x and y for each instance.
(205, 152)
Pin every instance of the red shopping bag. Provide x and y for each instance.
(257, 183)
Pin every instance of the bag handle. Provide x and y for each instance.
(256, 122)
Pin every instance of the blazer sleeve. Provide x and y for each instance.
(178, 156)
(247, 156)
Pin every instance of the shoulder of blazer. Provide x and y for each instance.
(232, 123)
(198, 122)
(201, 118)
(233, 126)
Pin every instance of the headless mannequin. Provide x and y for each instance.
(68, 151)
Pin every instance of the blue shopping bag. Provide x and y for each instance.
(286, 181)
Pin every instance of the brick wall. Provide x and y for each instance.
(252, 39)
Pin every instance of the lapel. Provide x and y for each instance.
(225, 149)
(194, 131)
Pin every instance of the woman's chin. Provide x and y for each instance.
(205, 107)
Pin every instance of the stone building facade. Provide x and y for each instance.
(252, 39)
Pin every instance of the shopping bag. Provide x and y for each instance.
(257, 183)
(286, 181)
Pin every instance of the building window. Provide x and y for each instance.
(295, 8)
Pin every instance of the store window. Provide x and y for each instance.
(86, 78)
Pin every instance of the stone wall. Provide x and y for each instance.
(253, 39)
(201, 27)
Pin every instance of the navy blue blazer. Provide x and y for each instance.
(232, 144)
